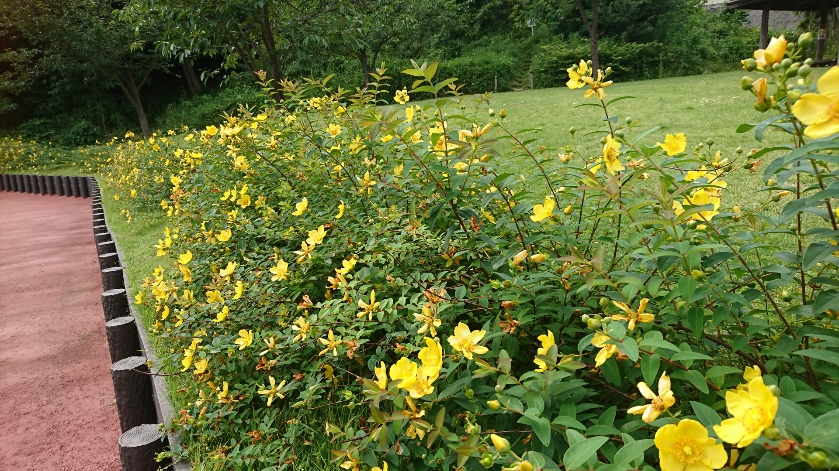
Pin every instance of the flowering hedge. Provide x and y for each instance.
(470, 299)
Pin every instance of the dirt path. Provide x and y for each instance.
(57, 407)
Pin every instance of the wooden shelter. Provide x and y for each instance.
(821, 6)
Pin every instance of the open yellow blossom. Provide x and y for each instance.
(631, 316)
(429, 319)
(280, 272)
(341, 208)
(381, 375)
(659, 404)
(696, 174)
(330, 343)
(773, 54)
(138, 299)
(606, 350)
(383, 468)
(347, 266)
(544, 210)
(674, 144)
(224, 235)
(575, 76)
(273, 391)
(686, 447)
(214, 296)
(597, 86)
(222, 315)
(305, 251)
(611, 155)
(547, 341)
(401, 96)
(420, 385)
(703, 197)
(301, 207)
(238, 290)
(245, 339)
(302, 327)
(403, 370)
(226, 272)
(751, 372)
(333, 129)
(316, 236)
(753, 410)
(185, 258)
(368, 308)
(431, 357)
(465, 341)
(820, 111)
(225, 389)
(201, 366)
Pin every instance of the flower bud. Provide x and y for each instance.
(787, 297)
(604, 301)
(805, 40)
(709, 142)
(817, 460)
(772, 433)
(776, 66)
(486, 461)
(519, 257)
(620, 133)
(538, 258)
(629, 120)
(572, 130)
(786, 63)
(499, 389)
(502, 114)
(746, 83)
(594, 323)
(774, 390)
(493, 404)
(608, 71)
(525, 466)
(793, 95)
(501, 444)
(763, 107)
(739, 150)
(697, 275)
(585, 318)
(469, 393)
(749, 64)
(809, 62)
(568, 210)
(804, 70)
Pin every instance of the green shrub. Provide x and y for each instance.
(197, 111)
(478, 72)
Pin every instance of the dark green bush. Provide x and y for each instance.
(202, 110)
(629, 61)
(477, 72)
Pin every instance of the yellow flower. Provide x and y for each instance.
(429, 320)
(244, 200)
(686, 447)
(231, 267)
(501, 444)
(548, 341)
(187, 360)
(224, 235)
(304, 252)
(659, 404)
(384, 464)
(138, 299)
(341, 208)
(280, 272)
(239, 290)
(245, 339)
(820, 111)
(696, 174)
(273, 391)
(368, 309)
(633, 316)
(702, 197)
(225, 388)
(606, 350)
(301, 207)
(611, 154)
(544, 210)
(214, 296)
(331, 344)
(211, 130)
(431, 357)
(346, 266)
(381, 375)
(751, 372)
(420, 385)
(674, 144)
(334, 129)
(753, 411)
(773, 53)
(316, 236)
(759, 88)
(575, 76)
(301, 326)
(185, 258)
(465, 341)
(201, 366)
(222, 315)
(597, 86)
(401, 96)
(403, 370)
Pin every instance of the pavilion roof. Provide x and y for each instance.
(782, 5)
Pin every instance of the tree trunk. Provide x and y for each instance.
(591, 27)
(132, 92)
(365, 68)
(191, 77)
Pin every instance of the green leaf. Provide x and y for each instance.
(823, 432)
(818, 354)
(687, 285)
(705, 414)
(696, 321)
(649, 367)
(629, 347)
(689, 355)
(659, 343)
(744, 127)
(431, 70)
(618, 99)
(722, 370)
(772, 462)
(541, 425)
(695, 378)
(580, 452)
(631, 451)
(817, 252)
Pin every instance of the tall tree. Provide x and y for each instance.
(80, 40)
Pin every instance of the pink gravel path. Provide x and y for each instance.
(57, 408)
